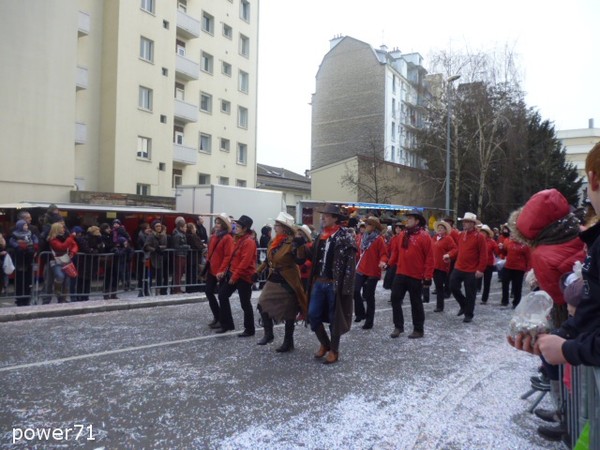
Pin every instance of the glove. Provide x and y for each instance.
(298, 242)
(427, 283)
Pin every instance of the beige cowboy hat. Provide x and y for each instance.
(306, 231)
(225, 219)
(443, 223)
(487, 230)
(469, 217)
(285, 219)
(371, 220)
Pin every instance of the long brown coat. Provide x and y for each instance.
(284, 262)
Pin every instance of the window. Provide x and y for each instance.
(145, 98)
(182, 5)
(245, 10)
(224, 181)
(393, 131)
(205, 142)
(177, 178)
(225, 107)
(205, 102)
(206, 62)
(166, 24)
(244, 46)
(178, 135)
(225, 145)
(242, 153)
(203, 179)
(146, 49)
(242, 117)
(227, 31)
(208, 23)
(226, 68)
(179, 91)
(144, 145)
(163, 118)
(180, 47)
(142, 189)
(165, 71)
(147, 5)
(240, 183)
(244, 81)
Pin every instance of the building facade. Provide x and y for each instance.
(130, 97)
(367, 101)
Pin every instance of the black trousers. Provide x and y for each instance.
(245, 292)
(400, 286)
(212, 287)
(466, 301)
(487, 281)
(367, 285)
(439, 280)
(516, 278)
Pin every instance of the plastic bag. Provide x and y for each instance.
(500, 264)
(8, 265)
(532, 315)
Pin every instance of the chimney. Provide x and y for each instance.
(591, 123)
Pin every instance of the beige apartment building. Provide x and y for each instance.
(126, 96)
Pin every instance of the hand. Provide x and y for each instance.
(550, 347)
(478, 274)
(521, 342)
(446, 258)
(220, 275)
(382, 265)
(427, 282)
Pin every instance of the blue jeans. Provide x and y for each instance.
(59, 275)
(322, 301)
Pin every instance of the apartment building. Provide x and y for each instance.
(126, 96)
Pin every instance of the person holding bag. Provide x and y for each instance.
(63, 247)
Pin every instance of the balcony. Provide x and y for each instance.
(187, 26)
(184, 155)
(81, 78)
(186, 68)
(186, 112)
(80, 133)
(83, 24)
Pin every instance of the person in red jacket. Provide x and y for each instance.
(517, 263)
(442, 243)
(471, 259)
(61, 243)
(492, 252)
(304, 232)
(220, 249)
(372, 257)
(239, 276)
(413, 257)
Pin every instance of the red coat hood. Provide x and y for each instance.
(541, 210)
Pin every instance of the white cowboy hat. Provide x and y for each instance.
(446, 225)
(306, 231)
(488, 230)
(225, 219)
(469, 217)
(285, 219)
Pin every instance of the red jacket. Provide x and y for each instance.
(502, 240)
(219, 253)
(455, 234)
(368, 263)
(440, 248)
(471, 253)
(60, 247)
(243, 260)
(493, 250)
(517, 256)
(416, 261)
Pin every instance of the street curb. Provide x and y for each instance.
(16, 313)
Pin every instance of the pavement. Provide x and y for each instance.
(137, 376)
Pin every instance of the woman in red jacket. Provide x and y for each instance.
(372, 257)
(492, 252)
(517, 263)
(442, 243)
(61, 243)
(239, 275)
(220, 248)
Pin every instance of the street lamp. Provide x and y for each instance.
(449, 82)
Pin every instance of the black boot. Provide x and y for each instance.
(288, 340)
(268, 329)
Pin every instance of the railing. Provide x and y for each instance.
(108, 275)
(582, 399)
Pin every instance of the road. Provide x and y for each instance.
(159, 378)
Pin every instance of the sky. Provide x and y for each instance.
(556, 43)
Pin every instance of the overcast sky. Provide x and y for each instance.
(557, 43)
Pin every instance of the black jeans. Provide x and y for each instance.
(245, 292)
(212, 287)
(439, 279)
(401, 285)
(516, 278)
(467, 301)
(368, 286)
(487, 281)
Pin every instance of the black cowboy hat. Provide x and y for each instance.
(335, 210)
(245, 221)
(418, 214)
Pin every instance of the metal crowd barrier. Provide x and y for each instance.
(108, 275)
(582, 401)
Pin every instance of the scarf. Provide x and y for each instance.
(329, 231)
(408, 233)
(277, 242)
(367, 240)
(559, 232)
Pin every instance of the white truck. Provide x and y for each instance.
(208, 200)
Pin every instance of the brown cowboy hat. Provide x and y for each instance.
(375, 222)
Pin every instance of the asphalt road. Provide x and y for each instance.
(159, 378)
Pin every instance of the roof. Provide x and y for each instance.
(270, 176)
